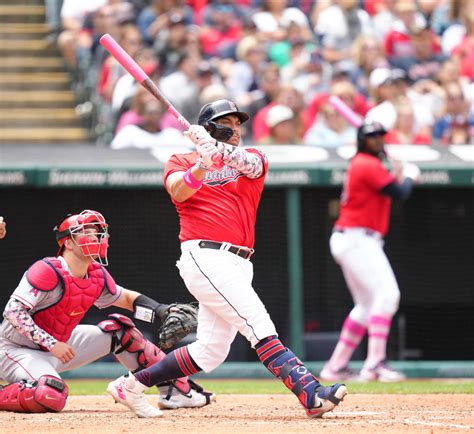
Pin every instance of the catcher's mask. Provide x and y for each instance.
(74, 226)
(212, 111)
(367, 129)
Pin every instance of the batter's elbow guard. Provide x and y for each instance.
(126, 337)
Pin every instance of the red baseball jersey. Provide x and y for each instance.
(225, 208)
(362, 203)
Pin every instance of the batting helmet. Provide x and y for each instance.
(367, 129)
(214, 110)
(74, 224)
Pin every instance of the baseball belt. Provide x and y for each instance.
(243, 252)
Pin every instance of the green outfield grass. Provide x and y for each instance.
(250, 387)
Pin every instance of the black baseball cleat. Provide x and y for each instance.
(326, 399)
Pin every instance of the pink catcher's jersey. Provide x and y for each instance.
(362, 203)
(225, 207)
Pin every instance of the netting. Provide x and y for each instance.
(430, 246)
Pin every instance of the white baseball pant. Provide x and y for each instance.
(222, 283)
(367, 272)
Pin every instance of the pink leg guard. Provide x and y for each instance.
(48, 394)
(133, 341)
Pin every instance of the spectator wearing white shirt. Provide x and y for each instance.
(338, 26)
(275, 16)
(330, 130)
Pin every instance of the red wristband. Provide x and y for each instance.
(191, 181)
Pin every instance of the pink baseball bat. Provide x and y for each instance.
(350, 115)
(112, 46)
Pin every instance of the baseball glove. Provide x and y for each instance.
(180, 321)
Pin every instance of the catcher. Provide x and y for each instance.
(41, 335)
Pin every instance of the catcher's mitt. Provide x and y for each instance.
(180, 321)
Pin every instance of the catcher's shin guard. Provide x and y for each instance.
(130, 339)
(284, 364)
(47, 394)
(133, 341)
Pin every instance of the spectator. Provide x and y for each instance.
(427, 60)
(383, 18)
(275, 16)
(133, 115)
(427, 8)
(280, 52)
(103, 20)
(3, 228)
(450, 73)
(181, 87)
(222, 32)
(213, 92)
(330, 130)
(131, 41)
(345, 90)
(289, 96)
(383, 92)
(243, 75)
(464, 52)
(155, 20)
(73, 14)
(127, 86)
(405, 132)
(399, 46)
(282, 126)
(368, 54)
(241, 10)
(148, 134)
(456, 125)
(338, 26)
(457, 11)
(173, 43)
(307, 72)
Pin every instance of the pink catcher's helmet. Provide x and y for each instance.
(75, 224)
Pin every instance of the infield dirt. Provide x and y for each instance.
(236, 414)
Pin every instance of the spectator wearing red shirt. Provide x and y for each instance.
(399, 46)
(224, 31)
(345, 90)
(465, 50)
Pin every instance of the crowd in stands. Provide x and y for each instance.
(408, 64)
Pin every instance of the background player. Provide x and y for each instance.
(3, 228)
(41, 336)
(216, 191)
(357, 246)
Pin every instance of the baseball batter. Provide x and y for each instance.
(41, 335)
(216, 191)
(357, 246)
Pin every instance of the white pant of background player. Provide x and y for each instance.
(222, 282)
(376, 296)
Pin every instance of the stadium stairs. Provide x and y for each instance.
(37, 105)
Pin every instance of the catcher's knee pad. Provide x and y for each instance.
(126, 337)
(47, 394)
